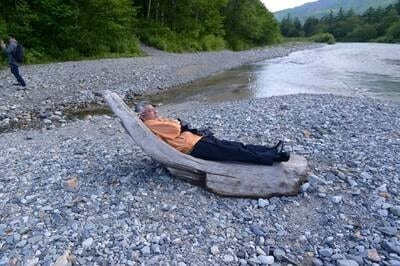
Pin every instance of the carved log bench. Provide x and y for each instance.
(223, 178)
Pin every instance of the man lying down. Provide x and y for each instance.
(202, 144)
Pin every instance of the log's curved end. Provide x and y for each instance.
(258, 181)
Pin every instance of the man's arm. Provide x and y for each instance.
(201, 132)
(166, 129)
(3, 45)
(7, 50)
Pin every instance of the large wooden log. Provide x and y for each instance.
(229, 179)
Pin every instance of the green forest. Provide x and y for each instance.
(321, 8)
(53, 30)
(374, 25)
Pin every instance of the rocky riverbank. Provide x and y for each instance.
(56, 90)
(87, 188)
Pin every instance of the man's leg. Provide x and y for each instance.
(251, 147)
(15, 71)
(259, 148)
(211, 148)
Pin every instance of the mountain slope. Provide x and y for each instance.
(323, 7)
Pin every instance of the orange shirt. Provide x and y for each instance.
(169, 130)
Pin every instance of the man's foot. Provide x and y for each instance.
(16, 84)
(283, 156)
(279, 146)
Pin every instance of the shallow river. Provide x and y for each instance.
(346, 69)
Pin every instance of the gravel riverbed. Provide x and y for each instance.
(55, 89)
(85, 187)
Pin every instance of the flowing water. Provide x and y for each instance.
(356, 69)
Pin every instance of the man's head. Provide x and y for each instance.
(146, 111)
(11, 38)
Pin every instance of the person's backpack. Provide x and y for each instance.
(18, 53)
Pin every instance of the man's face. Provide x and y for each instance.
(149, 113)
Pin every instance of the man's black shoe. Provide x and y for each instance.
(279, 146)
(283, 156)
(17, 84)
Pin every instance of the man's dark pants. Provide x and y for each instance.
(15, 71)
(211, 148)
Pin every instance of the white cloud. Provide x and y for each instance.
(276, 5)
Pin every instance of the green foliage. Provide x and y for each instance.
(324, 37)
(165, 39)
(202, 25)
(185, 25)
(393, 33)
(71, 29)
(105, 26)
(3, 27)
(310, 26)
(363, 33)
(248, 23)
(292, 27)
(238, 44)
(35, 56)
(212, 43)
(379, 25)
(53, 30)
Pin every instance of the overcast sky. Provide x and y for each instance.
(275, 5)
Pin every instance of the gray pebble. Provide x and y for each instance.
(391, 262)
(262, 203)
(228, 258)
(266, 259)
(317, 262)
(337, 199)
(395, 210)
(145, 250)
(305, 187)
(326, 252)
(391, 247)
(347, 263)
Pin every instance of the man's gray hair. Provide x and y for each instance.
(140, 106)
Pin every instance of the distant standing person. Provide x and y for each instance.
(10, 50)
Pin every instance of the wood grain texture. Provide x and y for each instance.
(223, 178)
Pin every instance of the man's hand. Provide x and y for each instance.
(205, 132)
(185, 126)
(2, 44)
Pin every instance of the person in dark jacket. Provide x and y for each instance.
(9, 50)
(202, 144)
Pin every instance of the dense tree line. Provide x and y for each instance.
(206, 25)
(71, 29)
(376, 24)
(68, 29)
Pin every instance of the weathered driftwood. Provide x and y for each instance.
(229, 179)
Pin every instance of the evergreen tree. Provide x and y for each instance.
(298, 28)
(310, 26)
(389, 19)
(340, 15)
(397, 6)
(286, 26)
